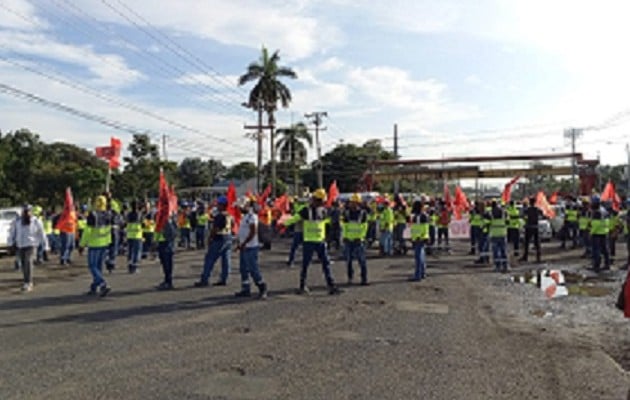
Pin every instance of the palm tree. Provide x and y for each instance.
(266, 94)
(291, 145)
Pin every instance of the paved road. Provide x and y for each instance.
(392, 340)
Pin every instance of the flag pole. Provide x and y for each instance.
(108, 179)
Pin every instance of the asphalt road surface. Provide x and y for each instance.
(437, 339)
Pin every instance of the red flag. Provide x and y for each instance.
(507, 190)
(163, 205)
(262, 199)
(447, 198)
(333, 193)
(460, 203)
(68, 219)
(543, 204)
(172, 200)
(110, 153)
(282, 204)
(609, 194)
(553, 199)
(231, 207)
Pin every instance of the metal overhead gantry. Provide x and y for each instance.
(456, 168)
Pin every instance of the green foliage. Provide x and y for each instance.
(194, 172)
(346, 164)
(242, 171)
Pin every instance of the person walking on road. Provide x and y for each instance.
(498, 237)
(220, 246)
(599, 235)
(133, 226)
(249, 246)
(98, 238)
(419, 238)
(354, 227)
(26, 234)
(314, 219)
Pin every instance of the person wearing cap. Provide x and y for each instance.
(315, 218)
(113, 210)
(220, 246)
(600, 229)
(249, 246)
(26, 234)
(354, 229)
(133, 226)
(419, 237)
(98, 239)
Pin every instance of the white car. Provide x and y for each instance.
(7, 215)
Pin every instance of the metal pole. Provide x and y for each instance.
(397, 180)
(259, 137)
(628, 171)
(164, 148)
(108, 179)
(320, 169)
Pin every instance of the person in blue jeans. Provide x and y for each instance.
(298, 235)
(220, 246)
(133, 227)
(97, 238)
(498, 237)
(166, 249)
(248, 246)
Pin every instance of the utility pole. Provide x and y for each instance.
(628, 171)
(573, 134)
(258, 136)
(397, 179)
(317, 121)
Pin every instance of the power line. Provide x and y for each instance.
(112, 100)
(85, 115)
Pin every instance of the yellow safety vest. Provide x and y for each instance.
(134, 230)
(419, 230)
(355, 230)
(48, 227)
(600, 226)
(498, 228)
(149, 226)
(314, 231)
(514, 218)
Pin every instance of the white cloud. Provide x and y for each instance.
(20, 15)
(212, 80)
(473, 80)
(250, 23)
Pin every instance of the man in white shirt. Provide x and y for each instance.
(249, 246)
(25, 235)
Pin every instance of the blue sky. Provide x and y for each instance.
(459, 77)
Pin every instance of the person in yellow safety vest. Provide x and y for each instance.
(484, 245)
(570, 226)
(298, 231)
(497, 232)
(584, 221)
(386, 225)
(475, 218)
(183, 223)
(97, 238)
(134, 237)
(419, 237)
(400, 219)
(314, 219)
(354, 229)
(202, 226)
(220, 246)
(48, 231)
(148, 232)
(514, 226)
(433, 222)
(613, 230)
(599, 235)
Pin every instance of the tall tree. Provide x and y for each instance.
(292, 144)
(242, 171)
(268, 91)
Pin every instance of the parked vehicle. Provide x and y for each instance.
(7, 215)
